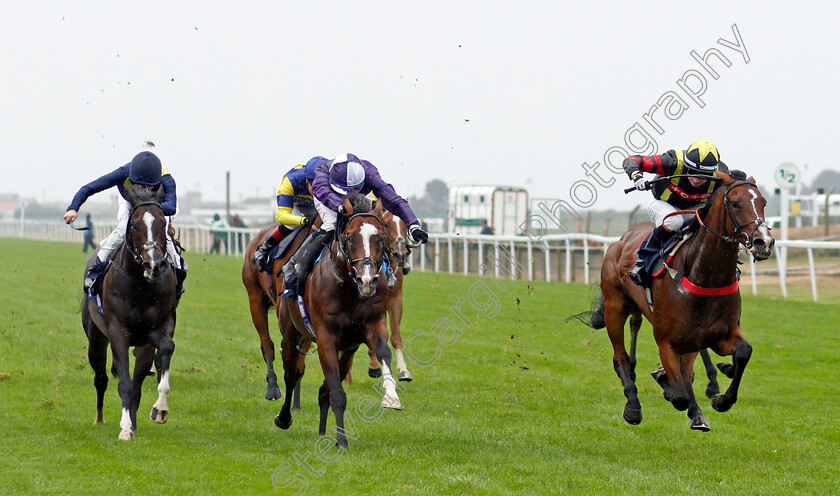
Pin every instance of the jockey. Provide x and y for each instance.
(680, 193)
(294, 208)
(144, 169)
(335, 179)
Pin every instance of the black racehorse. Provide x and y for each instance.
(138, 301)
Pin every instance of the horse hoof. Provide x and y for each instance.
(405, 376)
(126, 435)
(699, 423)
(374, 373)
(726, 369)
(712, 390)
(632, 416)
(392, 403)
(159, 416)
(660, 377)
(283, 425)
(273, 394)
(720, 404)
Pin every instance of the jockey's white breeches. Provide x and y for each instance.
(328, 217)
(659, 209)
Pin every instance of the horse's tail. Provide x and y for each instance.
(594, 318)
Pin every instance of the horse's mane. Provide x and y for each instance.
(360, 202)
(735, 174)
(139, 193)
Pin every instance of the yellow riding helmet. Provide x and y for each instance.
(702, 157)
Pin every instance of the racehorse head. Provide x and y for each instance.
(396, 233)
(744, 206)
(146, 231)
(362, 243)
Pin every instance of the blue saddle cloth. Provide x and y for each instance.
(653, 257)
(283, 247)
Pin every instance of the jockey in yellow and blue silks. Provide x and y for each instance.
(295, 208)
(700, 161)
(146, 170)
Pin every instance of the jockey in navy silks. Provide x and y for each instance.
(144, 169)
(335, 179)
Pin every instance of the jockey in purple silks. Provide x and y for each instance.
(335, 179)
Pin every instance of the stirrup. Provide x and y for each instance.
(392, 279)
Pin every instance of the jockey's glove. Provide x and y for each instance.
(639, 181)
(417, 235)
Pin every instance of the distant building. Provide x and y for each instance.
(505, 208)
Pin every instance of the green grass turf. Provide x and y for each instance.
(520, 403)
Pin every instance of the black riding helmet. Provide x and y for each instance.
(702, 157)
(145, 169)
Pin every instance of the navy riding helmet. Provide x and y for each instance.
(145, 169)
(309, 169)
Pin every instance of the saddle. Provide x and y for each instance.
(283, 246)
(655, 259)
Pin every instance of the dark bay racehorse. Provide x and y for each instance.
(697, 306)
(263, 292)
(396, 235)
(138, 309)
(346, 299)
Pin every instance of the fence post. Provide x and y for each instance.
(813, 272)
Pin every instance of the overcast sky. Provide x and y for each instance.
(503, 93)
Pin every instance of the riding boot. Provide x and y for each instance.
(261, 255)
(180, 275)
(298, 267)
(653, 244)
(93, 280)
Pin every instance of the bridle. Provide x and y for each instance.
(342, 244)
(149, 244)
(738, 234)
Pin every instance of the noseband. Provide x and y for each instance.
(342, 248)
(737, 236)
(149, 244)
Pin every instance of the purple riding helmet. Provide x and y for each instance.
(347, 174)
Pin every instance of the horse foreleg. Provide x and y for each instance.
(379, 342)
(332, 386)
(374, 370)
(615, 315)
(119, 349)
(672, 364)
(698, 421)
(144, 356)
(713, 389)
(293, 371)
(160, 410)
(741, 350)
(395, 310)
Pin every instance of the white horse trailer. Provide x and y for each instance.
(504, 208)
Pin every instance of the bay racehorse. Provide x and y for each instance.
(262, 288)
(138, 302)
(696, 306)
(396, 236)
(346, 300)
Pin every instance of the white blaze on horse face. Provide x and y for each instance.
(763, 229)
(367, 231)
